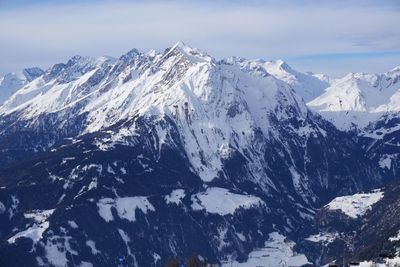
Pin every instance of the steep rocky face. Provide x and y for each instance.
(166, 154)
(381, 140)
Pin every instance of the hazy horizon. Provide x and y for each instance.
(331, 37)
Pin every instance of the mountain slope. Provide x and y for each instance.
(175, 151)
(359, 98)
(11, 82)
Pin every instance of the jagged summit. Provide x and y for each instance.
(191, 53)
(355, 94)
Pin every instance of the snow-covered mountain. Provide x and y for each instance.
(11, 82)
(307, 85)
(175, 151)
(358, 99)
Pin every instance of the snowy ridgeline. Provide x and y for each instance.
(276, 252)
(355, 205)
(359, 98)
(354, 100)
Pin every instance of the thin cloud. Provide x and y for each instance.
(50, 33)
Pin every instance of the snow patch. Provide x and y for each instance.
(2, 208)
(356, 205)
(395, 238)
(277, 251)
(126, 207)
(34, 232)
(385, 162)
(86, 264)
(323, 238)
(92, 245)
(14, 206)
(221, 201)
(56, 249)
(73, 224)
(175, 197)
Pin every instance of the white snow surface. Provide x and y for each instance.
(125, 206)
(73, 224)
(276, 252)
(175, 197)
(323, 238)
(35, 232)
(14, 81)
(358, 99)
(92, 245)
(56, 248)
(395, 238)
(2, 208)
(217, 106)
(40, 225)
(221, 201)
(355, 205)
(387, 263)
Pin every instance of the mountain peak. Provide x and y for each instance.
(282, 63)
(193, 54)
(32, 73)
(278, 66)
(181, 44)
(130, 54)
(395, 69)
(395, 72)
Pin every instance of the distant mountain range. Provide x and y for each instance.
(137, 160)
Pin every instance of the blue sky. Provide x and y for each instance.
(332, 37)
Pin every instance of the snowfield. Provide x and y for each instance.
(355, 205)
(276, 252)
(40, 225)
(221, 201)
(175, 197)
(125, 206)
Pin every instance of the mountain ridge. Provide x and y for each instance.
(123, 146)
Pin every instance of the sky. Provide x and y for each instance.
(322, 36)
